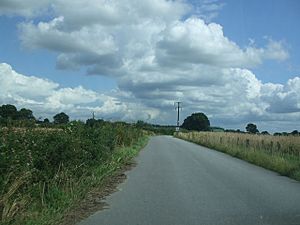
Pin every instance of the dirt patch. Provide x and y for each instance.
(95, 199)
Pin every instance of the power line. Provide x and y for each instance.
(178, 106)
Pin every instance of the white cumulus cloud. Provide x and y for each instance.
(158, 51)
(28, 8)
(46, 98)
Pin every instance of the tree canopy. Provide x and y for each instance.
(25, 114)
(61, 118)
(251, 128)
(8, 111)
(196, 121)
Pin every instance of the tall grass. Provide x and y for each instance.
(278, 153)
(44, 171)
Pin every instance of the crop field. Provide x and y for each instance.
(278, 153)
(45, 170)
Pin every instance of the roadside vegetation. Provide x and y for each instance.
(277, 153)
(48, 167)
(156, 129)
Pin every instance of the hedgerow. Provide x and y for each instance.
(40, 167)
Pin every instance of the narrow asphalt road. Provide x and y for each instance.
(180, 183)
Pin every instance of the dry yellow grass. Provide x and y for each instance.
(272, 144)
(11, 203)
(278, 153)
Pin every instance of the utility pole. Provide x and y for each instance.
(177, 108)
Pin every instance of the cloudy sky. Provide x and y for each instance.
(237, 61)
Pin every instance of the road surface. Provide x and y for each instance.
(180, 183)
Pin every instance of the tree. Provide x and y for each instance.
(196, 121)
(140, 124)
(46, 120)
(265, 133)
(8, 111)
(295, 132)
(94, 123)
(251, 128)
(61, 118)
(25, 114)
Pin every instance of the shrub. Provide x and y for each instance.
(35, 161)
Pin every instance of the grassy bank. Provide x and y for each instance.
(46, 171)
(280, 154)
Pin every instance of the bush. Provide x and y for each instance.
(35, 160)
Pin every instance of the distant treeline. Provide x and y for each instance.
(10, 116)
(155, 128)
(218, 129)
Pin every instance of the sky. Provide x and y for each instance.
(237, 61)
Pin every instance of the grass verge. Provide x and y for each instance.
(283, 162)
